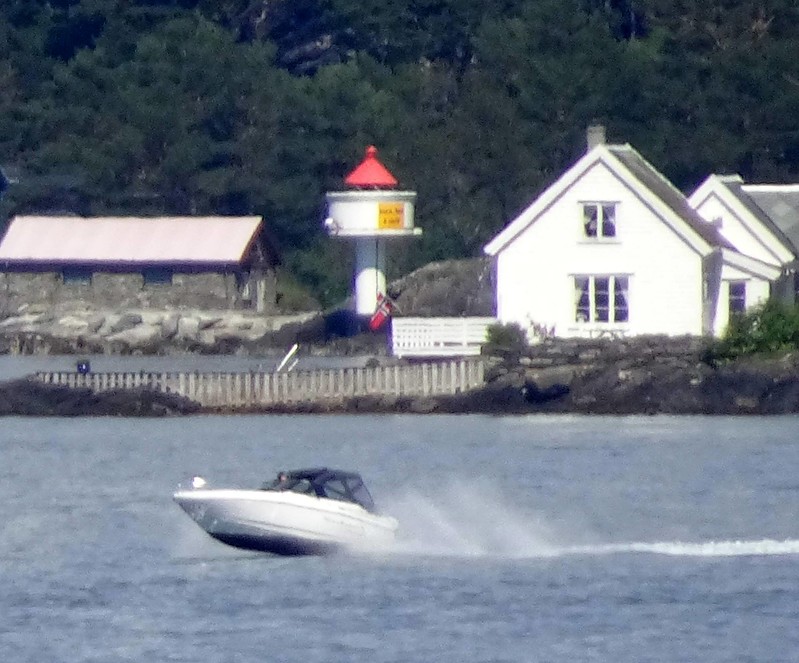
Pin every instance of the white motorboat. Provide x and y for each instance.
(302, 512)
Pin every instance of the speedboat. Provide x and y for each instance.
(302, 512)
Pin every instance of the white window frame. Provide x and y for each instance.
(731, 311)
(604, 231)
(618, 288)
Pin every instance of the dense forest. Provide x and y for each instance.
(260, 106)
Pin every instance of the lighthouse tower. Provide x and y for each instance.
(372, 213)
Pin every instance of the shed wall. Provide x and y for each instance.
(203, 290)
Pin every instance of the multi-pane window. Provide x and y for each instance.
(601, 299)
(737, 299)
(599, 220)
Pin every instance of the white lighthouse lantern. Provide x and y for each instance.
(371, 214)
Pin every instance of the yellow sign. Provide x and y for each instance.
(390, 216)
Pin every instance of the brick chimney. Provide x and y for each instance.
(594, 135)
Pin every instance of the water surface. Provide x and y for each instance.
(540, 538)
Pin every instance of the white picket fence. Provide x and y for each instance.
(438, 337)
(433, 378)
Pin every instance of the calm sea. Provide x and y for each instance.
(522, 539)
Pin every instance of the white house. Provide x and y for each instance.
(612, 248)
(760, 220)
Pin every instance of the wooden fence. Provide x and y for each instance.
(438, 337)
(258, 388)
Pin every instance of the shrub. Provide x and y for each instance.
(292, 296)
(505, 339)
(768, 329)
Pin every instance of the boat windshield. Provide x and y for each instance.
(333, 484)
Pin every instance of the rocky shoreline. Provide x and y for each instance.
(147, 332)
(639, 377)
(650, 375)
(655, 375)
(447, 288)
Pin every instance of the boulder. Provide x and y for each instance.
(449, 288)
(170, 325)
(141, 337)
(94, 323)
(188, 328)
(73, 322)
(208, 323)
(124, 322)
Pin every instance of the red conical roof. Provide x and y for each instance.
(370, 172)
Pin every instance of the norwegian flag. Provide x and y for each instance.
(382, 313)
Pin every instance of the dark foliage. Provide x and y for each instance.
(769, 329)
(257, 106)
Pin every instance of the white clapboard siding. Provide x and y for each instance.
(438, 337)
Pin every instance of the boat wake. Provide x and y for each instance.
(483, 524)
(760, 547)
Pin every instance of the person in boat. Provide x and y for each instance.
(279, 483)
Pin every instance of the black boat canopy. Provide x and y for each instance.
(324, 482)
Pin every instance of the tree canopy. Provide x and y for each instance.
(260, 106)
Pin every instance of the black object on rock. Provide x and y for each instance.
(533, 394)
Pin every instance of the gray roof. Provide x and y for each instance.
(780, 207)
(671, 196)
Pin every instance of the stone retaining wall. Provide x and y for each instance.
(140, 331)
(119, 290)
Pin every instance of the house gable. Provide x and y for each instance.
(724, 203)
(640, 179)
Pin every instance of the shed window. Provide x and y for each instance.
(76, 275)
(157, 276)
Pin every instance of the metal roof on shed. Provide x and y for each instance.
(132, 240)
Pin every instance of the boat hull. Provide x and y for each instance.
(285, 523)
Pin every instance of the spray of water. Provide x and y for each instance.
(468, 520)
(474, 520)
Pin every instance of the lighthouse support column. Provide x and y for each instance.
(370, 273)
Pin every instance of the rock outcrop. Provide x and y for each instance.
(446, 288)
(32, 398)
(152, 332)
(649, 375)
(652, 375)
